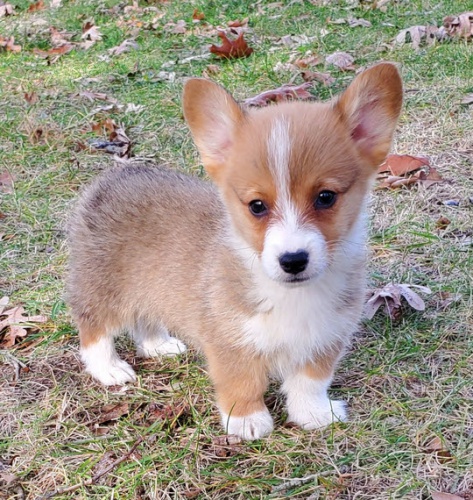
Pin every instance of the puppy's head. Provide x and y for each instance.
(294, 176)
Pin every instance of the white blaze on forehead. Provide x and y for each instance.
(279, 152)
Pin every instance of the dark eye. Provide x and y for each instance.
(325, 199)
(258, 208)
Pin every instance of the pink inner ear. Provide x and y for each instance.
(368, 122)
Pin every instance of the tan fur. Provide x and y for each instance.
(151, 246)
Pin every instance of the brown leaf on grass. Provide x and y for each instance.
(6, 9)
(446, 299)
(226, 446)
(55, 53)
(402, 164)
(231, 49)
(210, 70)
(460, 26)
(179, 28)
(31, 97)
(324, 78)
(197, 16)
(10, 325)
(100, 96)
(90, 34)
(438, 495)
(125, 46)
(169, 413)
(34, 7)
(118, 142)
(112, 412)
(8, 44)
(59, 38)
(6, 182)
(287, 92)
(305, 62)
(238, 24)
(390, 296)
(416, 35)
(442, 223)
(341, 60)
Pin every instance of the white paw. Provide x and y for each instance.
(118, 372)
(319, 413)
(252, 426)
(103, 363)
(160, 347)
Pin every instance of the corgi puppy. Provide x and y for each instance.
(263, 269)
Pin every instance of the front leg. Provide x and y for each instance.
(308, 404)
(240, 383)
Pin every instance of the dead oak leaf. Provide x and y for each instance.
(341, 60)
(323, 78)
(100, 96)
(14, 318)
(231, 49)
(6, 9)
(31, 97)
(59, 38)
(178, 28)
(125, 46)
(460, 26)
(113, 412)
(284, 93)
(8, 44)
(402, 164)
(52, 55)
(197, 16)
(305, 62)
(90, 34)
(416, 35)
(390, 296)
(34, 7)
(238, 24)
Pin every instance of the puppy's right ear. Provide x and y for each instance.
(213, 117)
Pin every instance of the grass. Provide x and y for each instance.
(407, 382)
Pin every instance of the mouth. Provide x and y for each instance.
(296, 280)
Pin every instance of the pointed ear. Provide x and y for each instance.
(370, 107)
(213, 117)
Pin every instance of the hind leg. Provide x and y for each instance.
(100, 358)
(153, 340)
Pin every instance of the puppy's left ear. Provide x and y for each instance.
(370, 108)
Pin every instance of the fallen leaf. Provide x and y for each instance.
(8, 44)
(342, 60)
(238, 24)
(442, 223)
(197, 16)
(31, 97)
(390, 296)
(285, 93)
(6, 9)
(324, 78)
(6, 182)
(54, 4)
(100, 96)
(226, 446)
(34, 7)
(15, 317)
(3, 303)
(210, 70)
(418, 34)
(305, 62)
(59, 38)
(438, 495)
(428, 178)
(468, 99)
(179, 28)
(113, 412)
(402, 164)
(447, 299)
(55, 53)
(231, 49)
(353, 22)
(90, 33)
(125, 46)
(118, 142)
(460, 26)
(108, 126)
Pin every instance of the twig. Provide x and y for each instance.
(16, 363)
(298, 481)
(94, 478)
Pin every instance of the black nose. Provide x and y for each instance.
(294, 263)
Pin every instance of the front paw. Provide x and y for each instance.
(316, 414)
(253, 426)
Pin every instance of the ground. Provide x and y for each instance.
(408, 382)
